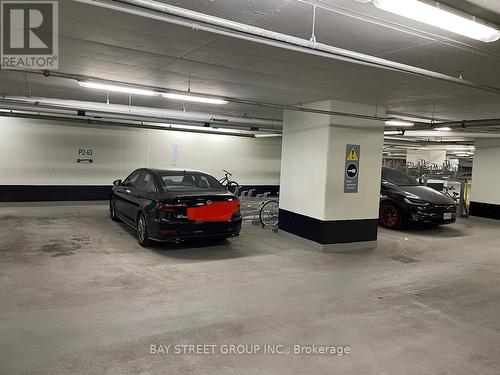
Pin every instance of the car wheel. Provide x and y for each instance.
(112, 211)
(390, 216)
(142, 232)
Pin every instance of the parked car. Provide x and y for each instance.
(404, 200)
(173, 206)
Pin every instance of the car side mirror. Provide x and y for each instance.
(118, 182)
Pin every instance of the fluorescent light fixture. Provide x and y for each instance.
(399, 123)
(443, 129)
(393, 132)
(436, 16)
(116, 88)
(137, 91)
(193, 98)
(271, 135)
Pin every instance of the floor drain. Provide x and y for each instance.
(403, 259)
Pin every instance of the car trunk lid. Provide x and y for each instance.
(201, 206)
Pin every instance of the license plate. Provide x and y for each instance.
(448, 216)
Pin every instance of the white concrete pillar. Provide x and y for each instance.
(314, 205)
(485, 195)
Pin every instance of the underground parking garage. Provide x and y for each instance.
(247, 187)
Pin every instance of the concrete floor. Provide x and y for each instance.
(79, 296)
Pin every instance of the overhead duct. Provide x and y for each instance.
(199, 21)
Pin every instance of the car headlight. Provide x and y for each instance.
(416, 202)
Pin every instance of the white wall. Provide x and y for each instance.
(45, 152)
(486, 172)
(313, 162)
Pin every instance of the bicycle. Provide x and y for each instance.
(227, 182)
(269, 214)
(455, 196)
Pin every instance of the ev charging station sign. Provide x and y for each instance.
(351, 176)
(29, 34)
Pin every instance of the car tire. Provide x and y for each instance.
(112, 212)
(142, 231)
(390, 216)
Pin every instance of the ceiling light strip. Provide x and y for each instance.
(138, 91)
(399, 123)
(117, 88)
(193, 98)
(438, 16)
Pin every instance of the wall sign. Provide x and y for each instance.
(351, 175)
(175, 154)
(85, 155)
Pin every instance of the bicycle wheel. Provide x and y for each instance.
(231, 186)
(269, 214)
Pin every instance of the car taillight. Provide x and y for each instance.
(165, 207)
(237, 213)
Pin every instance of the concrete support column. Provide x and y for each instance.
(485, 194)
(330, 177)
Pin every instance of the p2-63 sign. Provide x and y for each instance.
(85, 155)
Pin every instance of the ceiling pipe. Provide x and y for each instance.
(199, 21)
(125, 111)
(110, 122)
(392, 141)
(80, 77)
(471, 123)
(196, 118)
(410, 117)
(32, 110)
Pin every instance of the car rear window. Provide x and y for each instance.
(190, 181)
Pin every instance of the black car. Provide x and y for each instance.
(173, 206)
(403, 200)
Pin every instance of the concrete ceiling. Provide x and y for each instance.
(122, 47)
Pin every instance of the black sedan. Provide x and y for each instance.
(173, 206)
(403, 200)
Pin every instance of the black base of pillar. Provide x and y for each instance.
(328, 232)
(486, 210)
